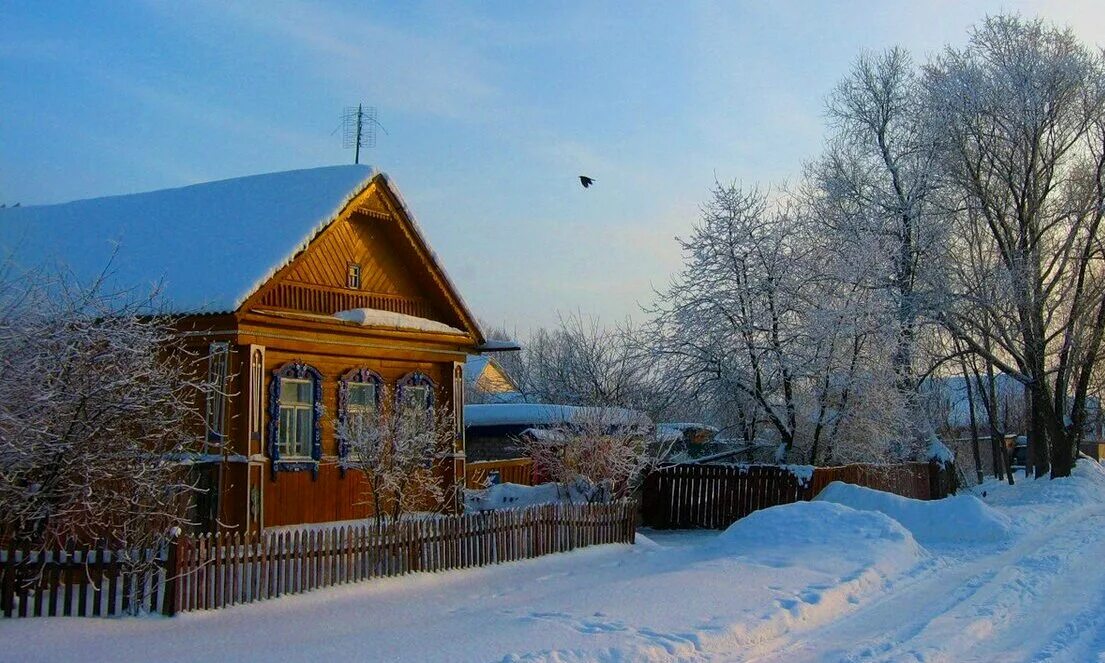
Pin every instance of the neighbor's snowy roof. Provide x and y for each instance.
(209, 245)
(537, 414)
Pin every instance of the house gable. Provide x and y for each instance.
(493, 380)
(396, 270)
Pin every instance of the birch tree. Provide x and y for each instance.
(753, 314)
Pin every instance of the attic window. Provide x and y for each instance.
(353, 276)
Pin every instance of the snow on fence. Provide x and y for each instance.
(715, 496)
(513, 470)
(214, 571)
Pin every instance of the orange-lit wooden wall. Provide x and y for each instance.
(290, 319)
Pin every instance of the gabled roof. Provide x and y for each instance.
(210, 246)
(498, 381)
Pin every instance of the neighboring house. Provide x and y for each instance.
(493, 431)
(947, 401)
(313, 290)
(487, 382)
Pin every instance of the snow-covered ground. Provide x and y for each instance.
(854, 576)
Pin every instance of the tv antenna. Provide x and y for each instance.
(359, 129)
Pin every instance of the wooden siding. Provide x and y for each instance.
(287, 319)
(393, 276)
(492, 380)
(296, 497)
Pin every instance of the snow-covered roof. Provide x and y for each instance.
(370, 317)
(209, 246)
(544, 414)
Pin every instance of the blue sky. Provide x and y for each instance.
(491, 111)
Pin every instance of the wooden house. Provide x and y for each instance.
(308, 289)
(487, 381)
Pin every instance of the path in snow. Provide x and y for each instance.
(1043, 598)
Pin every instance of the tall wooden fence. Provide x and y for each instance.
(715, 496)
(512, 470)
(214, 571)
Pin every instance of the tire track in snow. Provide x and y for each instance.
(996, 601)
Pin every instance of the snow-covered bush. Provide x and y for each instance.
(596, 449)
(98, 402)
(399, 449)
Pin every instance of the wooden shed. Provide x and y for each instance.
(296, 284)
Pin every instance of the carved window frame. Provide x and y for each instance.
(354, 376)
(295, 370)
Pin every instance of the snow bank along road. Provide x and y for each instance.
(857, 575)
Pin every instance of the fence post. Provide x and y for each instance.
(171, 600)
(650, 498)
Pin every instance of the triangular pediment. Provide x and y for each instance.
(396, 270)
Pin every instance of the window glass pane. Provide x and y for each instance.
(362, 395)
(416, 397)
(287, 431)
(306, 429)
(296, 417)
(295, 391)
(304, 394)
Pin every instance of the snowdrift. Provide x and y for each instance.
(960, 519)
(517, 496)
(1085, 485)
(815, 534)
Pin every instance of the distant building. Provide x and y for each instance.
(486, 381)
(493, 431)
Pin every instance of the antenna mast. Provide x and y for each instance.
(359, 129)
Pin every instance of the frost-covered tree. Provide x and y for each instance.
(601, 454)
(1019, 114)
(98, 403)
(584, 362)
(755, 315)
(871, 194)
(399, 448)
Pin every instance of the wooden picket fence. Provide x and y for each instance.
(90, 581)
(715, 496)
(214, 571)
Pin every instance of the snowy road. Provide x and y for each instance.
(1041, 599)
(833, 580)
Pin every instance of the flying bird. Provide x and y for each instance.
(586, 181)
